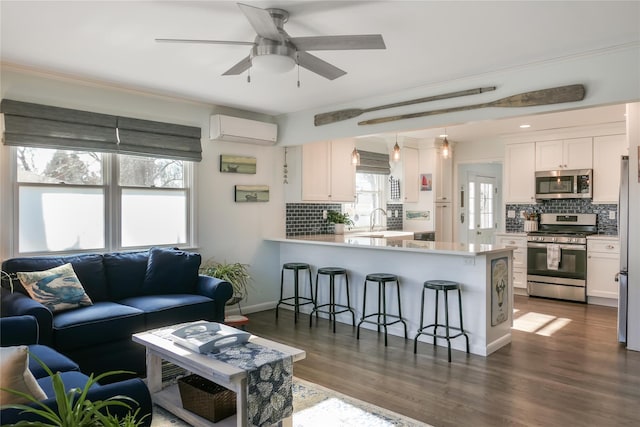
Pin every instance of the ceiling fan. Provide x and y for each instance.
(281, 52)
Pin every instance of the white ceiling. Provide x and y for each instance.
(427, 42)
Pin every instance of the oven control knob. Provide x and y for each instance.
(553, 239)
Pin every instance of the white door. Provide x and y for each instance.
(481, 209)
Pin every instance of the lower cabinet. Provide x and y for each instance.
(519, 259)
(603, 263)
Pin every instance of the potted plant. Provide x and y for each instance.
(235, 273)
(340, 220)
(74, 409)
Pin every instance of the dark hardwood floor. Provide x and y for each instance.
(564, 367)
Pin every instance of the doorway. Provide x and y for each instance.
(479, 214)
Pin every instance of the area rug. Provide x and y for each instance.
(317, 406)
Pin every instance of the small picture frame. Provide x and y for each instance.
(251, 193)
(238, 164)
(426, 182)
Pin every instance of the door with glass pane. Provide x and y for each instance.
(481, 209)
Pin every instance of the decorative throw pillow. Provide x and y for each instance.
(57, 289)
(171, 271)
(15, 375)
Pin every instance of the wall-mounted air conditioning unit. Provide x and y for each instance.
(236, 129)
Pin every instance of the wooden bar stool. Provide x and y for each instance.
(382, 316)
(298, 301)
(445, 286)
(332, 272)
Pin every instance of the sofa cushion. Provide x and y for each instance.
(164, 310)
(71, 379)
(88, 268)
(52, 359)
(57, 289)
(125, 273)
(15, 375)
(171, 271)
(100, 323)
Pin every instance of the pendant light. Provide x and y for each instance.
(355, 157)
(396, 150)
(445, 145)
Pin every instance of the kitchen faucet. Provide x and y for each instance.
(372, 221)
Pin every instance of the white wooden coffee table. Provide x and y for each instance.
(229, 376)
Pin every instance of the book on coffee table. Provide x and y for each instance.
(208, 337)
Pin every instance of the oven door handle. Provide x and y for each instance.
(569, 247)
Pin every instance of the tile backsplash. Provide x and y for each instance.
(306, 218)
(605, 225)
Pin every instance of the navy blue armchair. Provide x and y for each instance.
(23, 330)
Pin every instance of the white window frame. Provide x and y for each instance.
(112, 194)
(350, 208)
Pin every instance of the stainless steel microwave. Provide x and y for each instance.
(564, 184)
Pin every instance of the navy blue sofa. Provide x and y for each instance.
(131, 292)
(23, 330)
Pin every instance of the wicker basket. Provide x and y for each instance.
(206, 399)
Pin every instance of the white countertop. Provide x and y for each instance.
(603, 237)
(398, 244)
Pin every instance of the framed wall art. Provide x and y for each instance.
(426, 182)
(251, 193)
(237, 164)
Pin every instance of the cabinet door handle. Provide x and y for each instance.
(610, 246)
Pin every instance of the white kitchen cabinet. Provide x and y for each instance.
(444, 222)
(444, 177)
(607, 151)
(575, 153)
(603, 263)
(519, 167)
(519, 259)
(411, 174)
(327, 172)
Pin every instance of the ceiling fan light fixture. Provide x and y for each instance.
(275, 64)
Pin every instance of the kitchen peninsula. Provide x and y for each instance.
(485, 272)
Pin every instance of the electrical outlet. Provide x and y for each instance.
(469, 261)
(612, 214)
(511, 214)
(395, 213)
(324, 214)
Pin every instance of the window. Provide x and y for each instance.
(370, 195)
(66, 201)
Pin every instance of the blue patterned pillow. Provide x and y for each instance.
(57, 289)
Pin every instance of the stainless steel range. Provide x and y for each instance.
(557, 256)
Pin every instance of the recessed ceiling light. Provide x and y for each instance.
(525, 126)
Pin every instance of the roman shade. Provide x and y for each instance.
(148, 138)
(35, 125)
(371, 162)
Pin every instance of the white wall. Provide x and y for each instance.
(226, 230)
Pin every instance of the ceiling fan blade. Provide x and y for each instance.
(318, 66)
(204, 41)
(362, 41)
(241, 66)
(261, 21)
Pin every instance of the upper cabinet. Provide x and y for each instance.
(607, 151)
(444, 177)
(411, 174)
(327, 172)
(519, 171)
(576, 153)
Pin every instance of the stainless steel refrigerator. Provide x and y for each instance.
(623, 232)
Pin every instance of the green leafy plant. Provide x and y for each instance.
(336, 217)
(74, 409)
(235, 273)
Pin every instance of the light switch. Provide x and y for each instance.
(395, 213)
(612, 214)
(324, 214)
